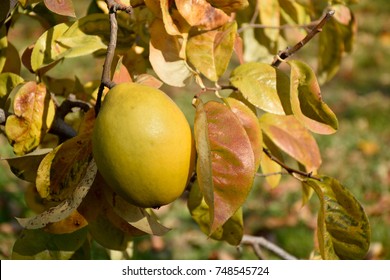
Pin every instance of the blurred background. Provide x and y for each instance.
(358, 155)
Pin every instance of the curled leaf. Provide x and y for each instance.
(66, 207)
(25, 167)
(60, 171)
(343, 226)
(306, 100)
(35, 244)
(225, 165)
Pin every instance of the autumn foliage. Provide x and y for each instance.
(251, 116)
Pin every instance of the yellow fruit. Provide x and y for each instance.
(142, 145)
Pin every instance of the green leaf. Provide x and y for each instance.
(264, 86)
(46, 51)
(269, 14)
(63, 7)
(293, 138)
(306, 100)
(330, 52)
(66, 207)
(33, 115)
(225, 165)
(8, 81)
(25, 167)
(165, 56)
(343, 226)
(270, 168)
(85, 36)
(231, 231)
(210, 51)
(39, 245)
(3, 47)
(61, 170)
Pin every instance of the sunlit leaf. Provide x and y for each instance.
(293, 138)
(62, 7)
(165, 56)
(33, 115)
(148, 80)
(343, 226)
(210, 51)
(85, 36)
(39, 245)
(174, 23)
(66, 207)
(25, 167)
(225, 165)
(229, 6)
(46, 50)
(121, 74)
(251, 125)
(61, 170)
(269, 14)
(231, 231)
(271, 170)
(199, 13)
(306, 100)
(264, 86)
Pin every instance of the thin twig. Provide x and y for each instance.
(257, 242)
(270, 174)
(290, 51)
(289, 169)
(106, 74)
(308, 26)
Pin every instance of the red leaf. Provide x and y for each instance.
(61, 7)
(225, 165)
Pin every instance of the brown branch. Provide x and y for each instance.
(290, 51)
(289, 169)
(106, 74)
(257, 242)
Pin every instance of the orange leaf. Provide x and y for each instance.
(201, 14)
(293, 138)
(63, 7)
(225, 165)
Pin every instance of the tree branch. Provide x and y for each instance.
(289, 169)
(106, 79)
(290, 51)
(257, 242)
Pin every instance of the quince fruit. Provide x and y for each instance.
(143, 145)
